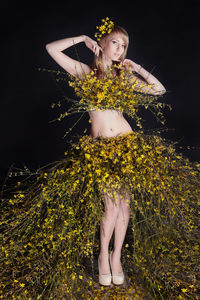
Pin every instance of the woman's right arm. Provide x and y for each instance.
(70, 65)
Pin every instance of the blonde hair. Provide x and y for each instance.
(97, 63)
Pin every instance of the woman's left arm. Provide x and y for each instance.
(156, 89)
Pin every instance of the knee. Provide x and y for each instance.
(125, 206)
(112, 209)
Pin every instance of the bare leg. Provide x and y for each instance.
(120, 232)
(106, 230)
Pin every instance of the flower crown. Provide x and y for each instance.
(106, 27)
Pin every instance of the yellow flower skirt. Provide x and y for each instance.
(50, 223)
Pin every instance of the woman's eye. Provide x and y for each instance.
(115, 42)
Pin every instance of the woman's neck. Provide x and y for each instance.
(106, 62)
(106, 65)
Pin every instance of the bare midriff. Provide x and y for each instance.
(108, 123)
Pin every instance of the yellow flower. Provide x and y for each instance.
(98, 171)
(73, 276)
(100, 96)
(87, 156)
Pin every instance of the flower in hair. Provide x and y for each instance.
(106, 27)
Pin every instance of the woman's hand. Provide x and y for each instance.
(131, 65)
(92, 45)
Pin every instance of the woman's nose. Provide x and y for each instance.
(118, 47)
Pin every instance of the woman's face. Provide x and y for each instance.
(114, 47)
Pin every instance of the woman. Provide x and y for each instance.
(112, 48)
(49, 220)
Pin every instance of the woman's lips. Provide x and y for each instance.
(116, 55)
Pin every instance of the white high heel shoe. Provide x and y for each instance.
(117, 278)
(104, 279)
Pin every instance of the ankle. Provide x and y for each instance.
(103, 264)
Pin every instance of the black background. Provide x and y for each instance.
(164, 37)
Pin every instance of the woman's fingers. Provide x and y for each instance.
(96, 49)
(93, 45)
(99, 49)
(127, 63)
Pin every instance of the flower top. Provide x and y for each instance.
(123, 93)
(106, 27)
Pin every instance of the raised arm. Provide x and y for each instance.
(148, 79)
(72, 66)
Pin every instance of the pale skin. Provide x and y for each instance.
(108, 123)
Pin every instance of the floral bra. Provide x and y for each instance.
(121, 93)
